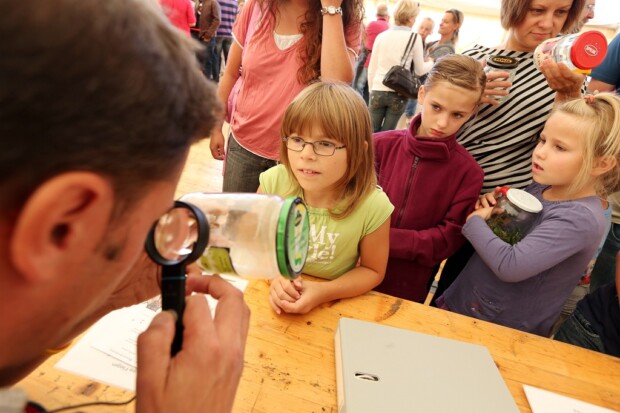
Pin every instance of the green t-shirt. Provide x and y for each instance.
(334, 244)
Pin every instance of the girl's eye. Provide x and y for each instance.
(325, 144)
(458, 116)
(560, 148)
(296, 139)
(541, 141)
(435, 107)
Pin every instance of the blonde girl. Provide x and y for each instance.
(327, 159)
(574, 164)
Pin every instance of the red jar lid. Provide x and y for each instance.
(589, 50)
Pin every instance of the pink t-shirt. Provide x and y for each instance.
(180, 13)
(269, 83)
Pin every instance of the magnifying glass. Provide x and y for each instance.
(179, 237)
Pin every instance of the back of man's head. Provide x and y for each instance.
(382, 10)
(108, 86)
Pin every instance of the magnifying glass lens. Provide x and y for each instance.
(176, 234)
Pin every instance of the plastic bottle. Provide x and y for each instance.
(499, 63)
(581, 52)
(519, 209)
(253, 235)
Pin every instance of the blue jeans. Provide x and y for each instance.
(361, 83)
(208, 60)
(222, 44)
(604, 270)
(242, 168)
(386, 108)
(410, 109)
(577, 330)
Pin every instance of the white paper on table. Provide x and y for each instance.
(107, 353)
(544, 401)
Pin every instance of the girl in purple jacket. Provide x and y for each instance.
(431, 180)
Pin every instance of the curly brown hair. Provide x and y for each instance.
(312, 30)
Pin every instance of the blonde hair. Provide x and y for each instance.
(458, 70)
(600, 116)
(458, 18)
(342, 114)
(405, 10)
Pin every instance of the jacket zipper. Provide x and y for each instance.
(414, 165)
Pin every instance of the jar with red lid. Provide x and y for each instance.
(581, 52)
(516, 212)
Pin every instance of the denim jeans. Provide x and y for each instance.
(242, 168)
(410, 109)
(577, 330)
(386, 108)
(222, 44)
(604, 270)
(208, 58)
(361, 83)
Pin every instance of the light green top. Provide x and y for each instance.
(334, 244)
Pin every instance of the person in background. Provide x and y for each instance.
(372, 31)
(606, 78)
(386, 106)
(327, 159)
(209, 22)
(449, 27)
(180, 12)
(223, 35)
(431, 180)
(294, 44)
(502, 136)
(98, 139)
(586, 15)
(424, 30)
(524, 285)
(595, 323)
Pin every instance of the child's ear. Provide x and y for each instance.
(603, 165)
(421, 93)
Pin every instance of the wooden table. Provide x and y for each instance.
(289, 359)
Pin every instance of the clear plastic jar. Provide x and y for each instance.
(518, 209)
(498, 63)
(253, 235)
(580, 52)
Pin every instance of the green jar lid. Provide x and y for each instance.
(292, 237)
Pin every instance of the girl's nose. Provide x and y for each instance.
(308, 151)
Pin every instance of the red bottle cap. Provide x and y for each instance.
(589, 50)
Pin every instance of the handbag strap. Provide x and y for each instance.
(408, 49)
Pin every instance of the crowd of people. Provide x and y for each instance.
(99, 137)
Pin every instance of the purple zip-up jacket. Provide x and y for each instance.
(434, 184)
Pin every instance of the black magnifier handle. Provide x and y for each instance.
(173, 298)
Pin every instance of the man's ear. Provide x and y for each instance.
(61, 224)
(603, 165)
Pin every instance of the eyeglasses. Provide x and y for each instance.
(321, 148)
(590, 7)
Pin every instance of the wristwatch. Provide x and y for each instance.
(331, 10)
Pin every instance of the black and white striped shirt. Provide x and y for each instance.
(502, 138)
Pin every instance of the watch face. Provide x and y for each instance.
(331, 9)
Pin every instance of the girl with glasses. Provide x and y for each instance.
(327, 159)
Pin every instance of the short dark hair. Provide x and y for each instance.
(513, 12)
(109, 87)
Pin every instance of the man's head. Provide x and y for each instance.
(382, 10)
(586, 15)
(99, 103)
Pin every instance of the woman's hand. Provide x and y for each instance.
(205, 374)
(560, 78)
(217, 144)
(496, 88)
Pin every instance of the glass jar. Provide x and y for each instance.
(498, 63)
(517, 210)
(253, 235)
(581, 52)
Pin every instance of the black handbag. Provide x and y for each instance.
(402, 80)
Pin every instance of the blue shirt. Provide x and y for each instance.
(228, 13)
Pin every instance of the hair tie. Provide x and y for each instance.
(589, 98)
